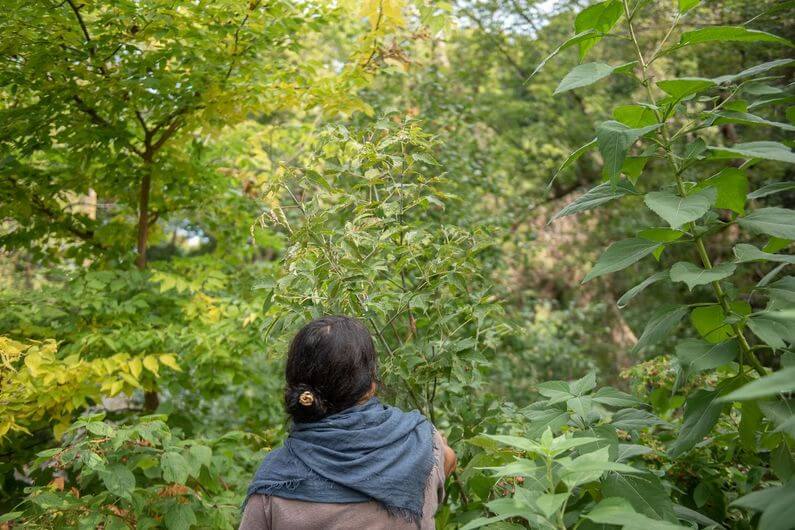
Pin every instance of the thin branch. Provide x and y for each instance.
(143, 124)
(57, 217)
(235, 53)
(525, 17)
(168, 133)
(375, 39)
(79, 19)
(95, 117)
(524, 73)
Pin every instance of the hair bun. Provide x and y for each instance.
(304, 403)
(306, 398)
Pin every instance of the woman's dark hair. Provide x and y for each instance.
(331, 365)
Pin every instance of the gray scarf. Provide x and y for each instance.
(367, 452)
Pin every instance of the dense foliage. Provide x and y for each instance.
(520, 199)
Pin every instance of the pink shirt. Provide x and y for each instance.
(264, 512)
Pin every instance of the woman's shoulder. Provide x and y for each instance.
(256, 514)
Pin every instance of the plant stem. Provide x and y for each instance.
(746, 353)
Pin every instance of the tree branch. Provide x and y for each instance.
(79, 19)
(102, 122)
(57, 217)
(516, 66)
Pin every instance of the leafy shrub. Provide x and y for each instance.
(577, 458)
(704, 197)
(139, 474)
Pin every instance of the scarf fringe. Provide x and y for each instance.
(267, 488)
(403, 513)
(270, 487)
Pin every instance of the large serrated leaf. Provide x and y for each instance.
(614, 140)
(729, 34)
(599, 17)
(644, 492)
(745, 253)
(685, 86)
(765, 150)
(636, 290)
(678, 210)
(754, 70)
(621, 255)
(583, 75)
(770, 385)
(779, 222)
(595, 197)
(693, 275)
(658, 327)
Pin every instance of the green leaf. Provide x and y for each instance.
(515, 441)
(710, 321)
(585, 384)
(745, 253)
(745, 118)
(633, 166)
(696, 356)
(572, 158)
(644, 492)
(571, 41)
(659, 326)
(731, 185)
(630, 451)
(635, 420)
(180, 517)
(550, 503)
(774, 244)
(583, 75)
(561, 444)
(750, 425)
(677, 210)
(615, 511)
(729, 34)
(759, 500)
(615, 398)
(614, 140)
(686, 514)
(694, 275)
(634, 115)
(198, 456)
(175, 467)
(770, 385)
(599, 17)
(687, 5)
(621, 255)
(781, 512)
(702, 411)
(552, 418)
(119, 481)
(594, 197)
(754, 70)
(555, 390)
(764, 150)
(591, 466)
(634, 291)
(770, 189)
(661, 235)
(775, 328)
(685, 86)
(779, 222)
(694, 150)
(782, 291)
(10, 516)
(580, 405)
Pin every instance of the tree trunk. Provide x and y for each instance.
(151, 399)
(143, 215)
